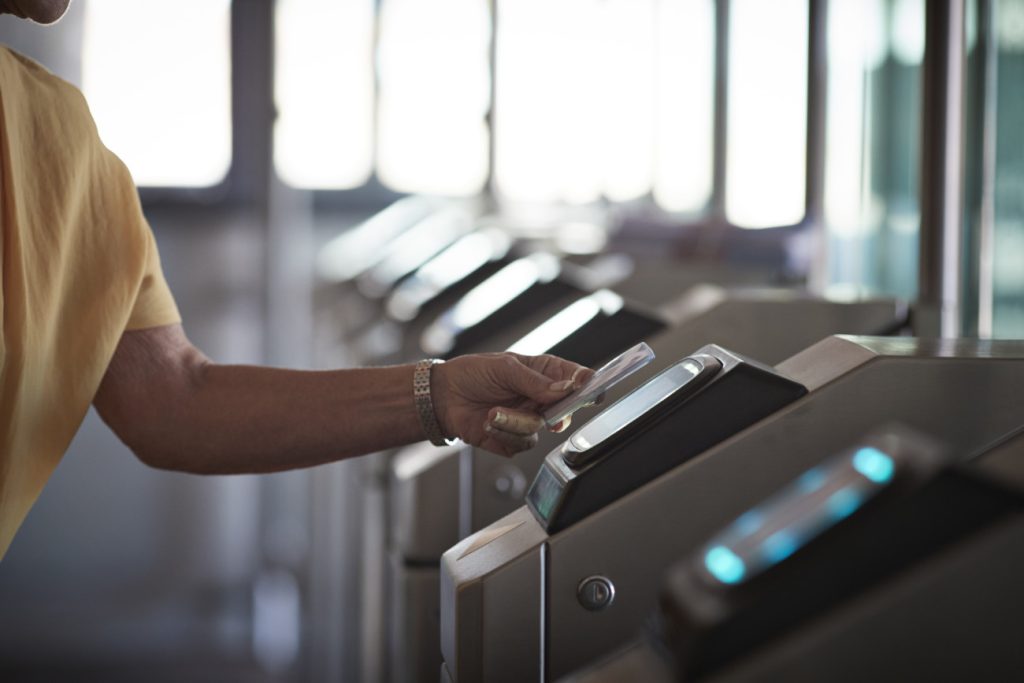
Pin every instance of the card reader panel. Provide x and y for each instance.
(670, 419)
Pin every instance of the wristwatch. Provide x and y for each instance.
(424, 403)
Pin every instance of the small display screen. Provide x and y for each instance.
(544, 493)
(620, 415)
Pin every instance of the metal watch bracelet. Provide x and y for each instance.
(424, 402)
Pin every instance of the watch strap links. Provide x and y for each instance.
(424, 403)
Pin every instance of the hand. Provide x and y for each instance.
(493, 400)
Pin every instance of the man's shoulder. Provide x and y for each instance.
(27, 77)
(33, 96)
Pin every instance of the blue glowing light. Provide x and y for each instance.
(873, 464)
(843, 503)
(724, 564)
(779, 546)
(748, 523)
(811, 480)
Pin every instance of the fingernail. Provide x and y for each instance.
(500, 418)
(562, 386)
(488, 428)
(576, 375)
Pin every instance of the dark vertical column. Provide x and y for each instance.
(721, 110)
(942, 158)
(252, 116)
(817, 91)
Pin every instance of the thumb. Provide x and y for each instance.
(532, 384)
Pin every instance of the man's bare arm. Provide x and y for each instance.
(177, 410)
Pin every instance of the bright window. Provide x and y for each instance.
(684, 124)
(766, 157)
(157, 77)
(584, 110)
(434, 95)
(324, 92)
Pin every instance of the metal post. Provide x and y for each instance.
(817, 93)
(721, 116)
(942, 173)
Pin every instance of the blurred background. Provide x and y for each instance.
(784, 136)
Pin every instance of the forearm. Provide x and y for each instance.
(177, 410)
(255, 419)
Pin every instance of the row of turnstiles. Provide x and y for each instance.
(794, 488)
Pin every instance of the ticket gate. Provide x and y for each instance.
(357, 262)
(413, 302)
(880, 565)
(511, 302)
(768, 324)
(440, 497)
(587, 327)
(424, 489)
(571, 577)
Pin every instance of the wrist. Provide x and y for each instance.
(442, 391)
(428, 399)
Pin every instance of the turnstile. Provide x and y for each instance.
(586, 327)
(441, 497)
(768, 324)
(520, 602)
(424, 489)
(900, 570)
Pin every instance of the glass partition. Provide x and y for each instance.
(872, 146)
(1008, 248)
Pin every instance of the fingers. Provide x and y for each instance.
(558, 369)
(507, 443)
(537, 386)
(515, 421)
(510, 431)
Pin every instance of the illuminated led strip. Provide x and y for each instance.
(571, 318)
(487, 298)
(820, 498)
(452, 265)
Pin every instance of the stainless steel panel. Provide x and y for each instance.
(963, 400)
(490, 614)
(637, 662)
(424, 502)
(769, 326)
(414, 646)
(963, 610)
(964, 393)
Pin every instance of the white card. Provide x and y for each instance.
(607, 376)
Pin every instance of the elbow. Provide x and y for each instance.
(153, 449)
(157, 458)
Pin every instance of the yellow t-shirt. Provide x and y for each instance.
(78, 267)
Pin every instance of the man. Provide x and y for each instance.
(88, 318)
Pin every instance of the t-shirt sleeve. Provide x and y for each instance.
(154, 304)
